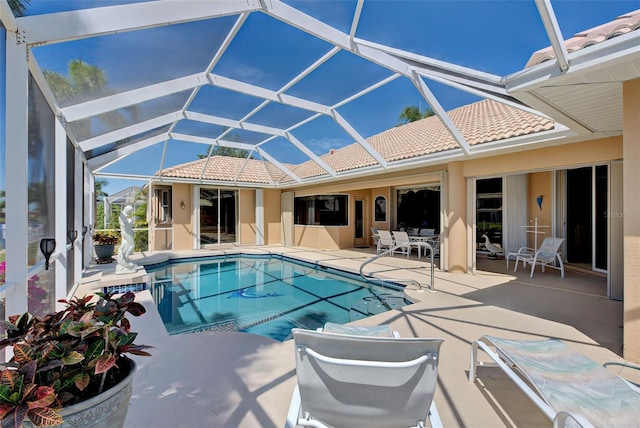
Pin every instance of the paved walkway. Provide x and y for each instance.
(222, 379)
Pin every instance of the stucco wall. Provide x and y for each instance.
(327, 238)
(160, 235)
(386, 192)
(247, 216)
(556, 157)
(631, 218)
(455, 220)
(272, 223)
(183, 218)
(539, 184)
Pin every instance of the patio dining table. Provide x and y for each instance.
(423, 238)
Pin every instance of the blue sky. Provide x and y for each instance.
(493, 36)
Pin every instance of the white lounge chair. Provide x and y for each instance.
(385, 241)
(543, 256)
(375, 236)
(568, 387)
(405, 245)
(348, 380)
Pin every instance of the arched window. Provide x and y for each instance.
(380, 209)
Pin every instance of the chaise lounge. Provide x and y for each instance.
(568, 387)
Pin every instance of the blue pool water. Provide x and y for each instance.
(265, 295)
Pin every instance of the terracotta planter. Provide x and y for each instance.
(107, 410)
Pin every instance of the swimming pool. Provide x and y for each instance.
(265, 295)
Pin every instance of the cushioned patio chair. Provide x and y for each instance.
(353, 380)
(568, 387)
(546, 255)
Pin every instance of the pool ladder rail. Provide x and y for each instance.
(431, 287)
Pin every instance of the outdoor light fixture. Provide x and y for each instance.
(47, 245)
(182, 205)
(539, 201)
(72, 235)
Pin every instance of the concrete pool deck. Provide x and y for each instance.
(229, 379)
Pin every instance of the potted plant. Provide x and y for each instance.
(104, 244)
(69, 366)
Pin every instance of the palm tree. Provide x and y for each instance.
(227, 151)
(98, 185)
(413, 113)
(19, 7)
(85, 82)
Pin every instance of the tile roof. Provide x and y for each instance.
(619, 26)
(481, 122)
(224, 168)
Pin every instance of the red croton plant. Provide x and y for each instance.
(66, 357)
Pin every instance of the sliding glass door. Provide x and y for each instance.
(218, 216)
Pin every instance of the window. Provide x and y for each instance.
(163, 205)
(489, 211)
(322, 210)
(380, 205)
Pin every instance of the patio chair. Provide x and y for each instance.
(543, 256)
(385, 241)
(426, 232)
(405, 245)
(435, 244)
(348, 380)
(375, 236)
(568, 387)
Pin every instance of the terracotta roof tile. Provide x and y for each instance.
(223, 168)
(481, 122)
(621, 25)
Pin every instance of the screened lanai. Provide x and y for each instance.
(124, 90)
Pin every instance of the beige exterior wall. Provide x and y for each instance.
(539, 184)
(183, 219)
(556, 157)
(160, 235)
(631, 218)
(334, 237)
(272, 218)
(247, 216)
(533, 161)
(383, 225)
(455, 219)
(327, 238)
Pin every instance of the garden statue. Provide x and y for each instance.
(125, 265)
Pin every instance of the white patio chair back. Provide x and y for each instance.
(549, 249)
(385, 241)
(427, 232)
(348, 380)
(375, 236)
(435, 244)
(543, 256)
(402, 240)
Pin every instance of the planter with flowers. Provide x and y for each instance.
(104, 245)
(68, 368)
